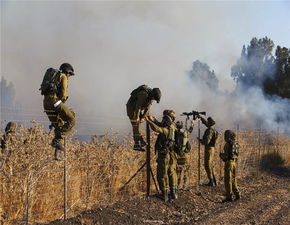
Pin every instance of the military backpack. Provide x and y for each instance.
(182, 144)
(50, 82)
(143, 87)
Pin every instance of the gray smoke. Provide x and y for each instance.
(117, 46)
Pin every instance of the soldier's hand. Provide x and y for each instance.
(149, 118)
(142, 120)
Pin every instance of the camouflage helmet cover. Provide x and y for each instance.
(210, 121)
(169, 113)
(156, 93)
(67, 68)
(229, 135)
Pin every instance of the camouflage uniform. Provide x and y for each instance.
(137, 110)
(61, 117)
(230, 157)
(166, 159)
(138, 107)
(182, 155)
(54, 88)
(8, 138)
(209, 149)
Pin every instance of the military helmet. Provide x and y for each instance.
(210, 121)
(179, 124)
(10, 127)
(169, 113)
(67, 68)
(156, 94)
(229, 135)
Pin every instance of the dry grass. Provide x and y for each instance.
(32, 182)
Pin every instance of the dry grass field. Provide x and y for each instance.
(32, 183)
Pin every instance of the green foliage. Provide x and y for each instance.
(279, 83)
(255, 64)
(201, 73)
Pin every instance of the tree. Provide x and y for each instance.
(279, 83)
(201, 73)
(7, 94)
(255, 64)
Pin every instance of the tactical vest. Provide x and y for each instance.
(234, 150)
(165, 144)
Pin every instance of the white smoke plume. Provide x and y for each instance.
(117, 46)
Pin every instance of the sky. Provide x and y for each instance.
(116, 46)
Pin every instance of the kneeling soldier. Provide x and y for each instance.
(230, 157)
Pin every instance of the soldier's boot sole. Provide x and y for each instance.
(227, 200)
(143, 143)
(138, 148)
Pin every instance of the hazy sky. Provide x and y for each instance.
(115, 46)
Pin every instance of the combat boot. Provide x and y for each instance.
(57, 145)
(143, 143)
(210, 183)
(173, 193)
(165, 195)
(58, 156)
(238, 197)
(227, 200)
(137, 147)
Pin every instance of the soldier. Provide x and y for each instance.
(138, 107)
(182, 149)
(230, 157)
(166, 156)
(7, 138)
(209, 140)
(55, 90)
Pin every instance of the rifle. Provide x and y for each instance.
(193, 113)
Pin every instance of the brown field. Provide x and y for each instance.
(32, 183)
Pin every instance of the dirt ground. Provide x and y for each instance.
(265, 200)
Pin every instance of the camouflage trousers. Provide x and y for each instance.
(208, 162)
(61, 117)
(137, 131)
(231, 185)
(166, 170)
(182, 170)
